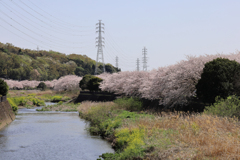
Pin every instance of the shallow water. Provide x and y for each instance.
(49, 136)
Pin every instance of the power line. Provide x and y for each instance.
(55, 28)
(43, 15)
(35, 26)
(17, 35)
(37, 33)
(121, 51)
(55, 17)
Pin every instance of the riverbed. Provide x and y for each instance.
(50, 135)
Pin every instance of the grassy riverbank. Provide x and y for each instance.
(167, 136)
(137, 134)
(60, 106)
(32, 98)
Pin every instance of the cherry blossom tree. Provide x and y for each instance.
(67, 83)
(172, 85)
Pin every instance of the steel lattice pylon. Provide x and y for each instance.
(100, 46)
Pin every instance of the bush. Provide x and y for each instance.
(56, 98)
(42, 86)
(94, 83)
(13, 105)
(229, 107)
(3, 88)
(217, 79)
(132, 104)
(60, 102)
(83, 83)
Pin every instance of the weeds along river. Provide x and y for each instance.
(49, 135)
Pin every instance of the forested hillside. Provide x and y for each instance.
(25, 64)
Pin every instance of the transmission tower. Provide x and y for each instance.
(138, 64)
(117, 61)
(100, 46)
(144, 59)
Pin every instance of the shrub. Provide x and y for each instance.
(83, 83)
(37, 102)
(3, 88)
(20, 101)
(60, 102)
(131, 142)
(13, 105)
(217, 79)
(56, 98)
(229, 107)
(42, 86)
(94, 83)
(132, 104)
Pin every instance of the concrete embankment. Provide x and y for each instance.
(6, 113)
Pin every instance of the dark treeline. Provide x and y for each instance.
(26, 64)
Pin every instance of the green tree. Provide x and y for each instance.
(109, 68)
(217, 79)
(79, 71)
(94, 83)
(3, 88)
(83, 83)
(42, 86)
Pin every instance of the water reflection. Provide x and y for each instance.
(51, 135)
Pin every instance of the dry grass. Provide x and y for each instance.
(20, 93)
(88, 105)
(174, 136)
(195, 137)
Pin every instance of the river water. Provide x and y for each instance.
(49, 136)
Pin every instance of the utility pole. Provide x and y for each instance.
(100, 46)
(116, 61)
(138, 64)
(144, 59)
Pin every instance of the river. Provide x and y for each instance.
(49, 136)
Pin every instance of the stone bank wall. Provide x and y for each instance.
(6, 113)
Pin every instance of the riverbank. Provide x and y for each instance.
(6, 114)
(33, 98)
(166, 136)
(137, 134)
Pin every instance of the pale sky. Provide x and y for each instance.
(169, 29)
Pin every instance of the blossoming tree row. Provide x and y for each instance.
(69, 82)
(173, 84)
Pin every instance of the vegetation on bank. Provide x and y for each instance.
(143, 135)
(60, 106)
(28, 102)
(25, 64)
(33, 98)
